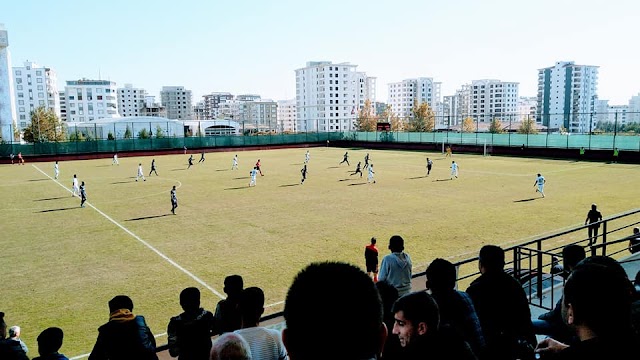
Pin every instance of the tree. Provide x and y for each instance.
(143, 134)
(528, 127)
(388, 116)
(159, 132)
(127, 133)
(496, 126)
(76, 136)
(468, 125)
(366, 120)
(110, 136)
(44, 127)
(422, 119)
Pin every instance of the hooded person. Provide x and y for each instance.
(396, 267)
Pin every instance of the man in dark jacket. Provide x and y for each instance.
(49, 342)
(190, 332)
(9, 349)
(502, 307)
(125, 336)
(227, 317)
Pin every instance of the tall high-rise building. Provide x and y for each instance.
(260, 115)
(7, 106)
(566, 96)
(403, 95)
(329, 96)
(177, 101)
(35, 86)
(492, 99)
(634, 109)
(212, 103)
(131, 101)
(287, 116)
(89, 100)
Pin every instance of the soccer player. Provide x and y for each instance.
(153, 167)
(345, 158)
(115, 159)
(303, 171)
(201, 157)
(56, 170)
(540, 183)
(454, 170)
(83, 195)
(11, 156)
(358, 170)
(253, 173)
(75, 190)
(258, 168)
(371, 259)
(307, 156)
(371, 173)
(140, 173)
(429, 165)
(366, 161)
(174, 200)
(190, 161)
(448, 151)
(21, 159)
(235, 163)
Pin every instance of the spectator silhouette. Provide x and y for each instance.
(389, 295)
(230, 346)
(14, 334)
(417, 324)
(190, 332)
(265, 344)
(502, 307)
(551, 323)
(10, 349)
(634, 241)
(593, 217)
(456, 307)
(396, 267)
(597, 305)
(227, 315)
(125, 336)
(49, 343)
(322, 297)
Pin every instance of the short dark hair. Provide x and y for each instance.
(190, 298)
(321, 296)
(492, 257)
(572, 254)
(590, 289)
(419, 307)
(120, 302)
(373, 240)
(388, 295)
(50, 340)
(396, 243)
(251, 304)
(441, 275)
(233, 284)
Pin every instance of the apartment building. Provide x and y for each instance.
(490, 99)
(131, 101)
(34, 86)
(152, 108)
(287, 116)
(403, 95)
(89, 100)
(634, 109)
(7, 105)
(527, 107)
(177, 101)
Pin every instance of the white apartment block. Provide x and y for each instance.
(329, 96)
(7, 106)
(212, 104)
(34, 86)
(131, 101)
(450, 111)
(490, 99)
(634, 109)
(527, 107)
(566, 96)
(402, 95)
(63, 106)
(260, 115)
(199, 111)
(152, 108)
(601, 111)
(287, 116)
(89, 100)
(177, 101)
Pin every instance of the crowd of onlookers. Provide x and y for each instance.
(335, 310)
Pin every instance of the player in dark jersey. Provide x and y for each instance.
(371, 259)
(303, 171)
(174, 200)
(153, 167)
(345, 158)
(83, 195)
(358, 170)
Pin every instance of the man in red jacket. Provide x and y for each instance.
(371, 259)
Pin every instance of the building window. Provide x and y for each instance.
(18, 72)
(23, 117)
(41, 94)
(20, 102)
(41, 102)
(39, 80)
(21, 109)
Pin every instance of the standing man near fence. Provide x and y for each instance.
(593, 217)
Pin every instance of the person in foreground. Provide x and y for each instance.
(597, 306)
(49, 342)
(230, 346)
(325, 297)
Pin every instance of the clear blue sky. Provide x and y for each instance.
(255, 46)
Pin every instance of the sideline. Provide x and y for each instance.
(165, 257)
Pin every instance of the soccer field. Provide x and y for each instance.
(62, 263)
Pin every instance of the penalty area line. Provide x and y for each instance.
(149, 246)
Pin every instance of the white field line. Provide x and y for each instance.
(165, 257)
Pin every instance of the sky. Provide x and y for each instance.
(255, 46)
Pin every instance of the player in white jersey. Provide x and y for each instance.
(540, 181)
(371, 174)
(76, 188)
(56, 170)
(454, 170)
(307, 156)
(115, 159)
(253, 173)
(140, 173)
(235, 162)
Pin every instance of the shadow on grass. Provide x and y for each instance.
(241, 178)
(178, 169)
(238, 188)
(223, 170)
(61, 209)
(287, 185)
(333, 167)
(120, 182)
(362, 183)
(38, 180)
(105, 165)
(54, 198)
(417, 177)
(346, 179)
(525, 200)
(148, 217)
(443, 179)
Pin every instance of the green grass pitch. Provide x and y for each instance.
(61, 263)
